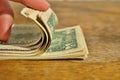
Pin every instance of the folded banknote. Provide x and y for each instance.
(43, 41)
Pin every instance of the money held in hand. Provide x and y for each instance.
(44, 41)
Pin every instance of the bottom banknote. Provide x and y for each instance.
(67, 43)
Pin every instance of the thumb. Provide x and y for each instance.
(6, 20)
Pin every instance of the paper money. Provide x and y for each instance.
(46, 22)
(43, 41)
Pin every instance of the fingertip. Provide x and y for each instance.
(44, 6)
(6, 21)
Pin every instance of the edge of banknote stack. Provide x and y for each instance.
(44, 41)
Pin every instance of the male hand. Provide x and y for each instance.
(6, 14)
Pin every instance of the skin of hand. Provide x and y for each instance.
(6, 14)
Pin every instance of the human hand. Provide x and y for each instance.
(6, 14)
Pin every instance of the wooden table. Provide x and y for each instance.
(100, 22)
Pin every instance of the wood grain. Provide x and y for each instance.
(100, 22)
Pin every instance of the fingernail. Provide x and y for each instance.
(46, 5)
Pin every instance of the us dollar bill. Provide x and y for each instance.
(46, 22)
(44, 41)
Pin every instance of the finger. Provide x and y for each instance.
(35, 4)
(6, 20)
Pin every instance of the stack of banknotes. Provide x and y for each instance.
(43, 41)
